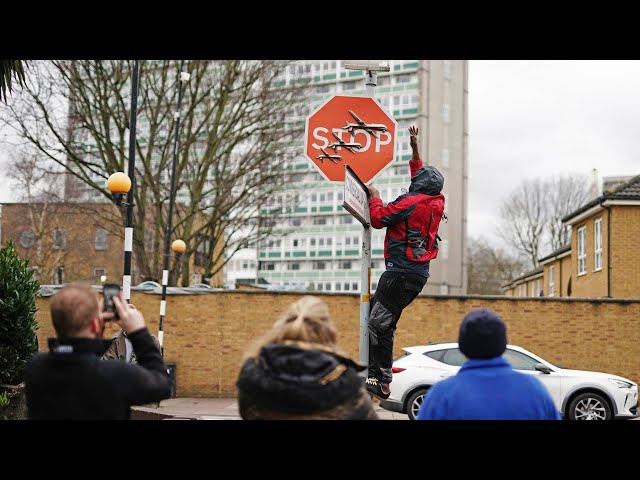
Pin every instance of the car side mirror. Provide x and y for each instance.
(541, 367)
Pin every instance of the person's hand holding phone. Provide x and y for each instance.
(131, 319)
(105, 315)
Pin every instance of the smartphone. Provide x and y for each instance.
(110, 290)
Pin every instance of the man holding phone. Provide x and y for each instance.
(71, 381)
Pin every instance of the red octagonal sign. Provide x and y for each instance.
(352, 131)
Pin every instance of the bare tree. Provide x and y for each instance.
(490, 267)
(531, 214)
(234, 134)
(524, 217)
(41, 190)
(565, 194)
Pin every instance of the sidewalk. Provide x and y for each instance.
(213, 409)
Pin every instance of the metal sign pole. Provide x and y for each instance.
(365, 267)
(365, 290)
(356, 202)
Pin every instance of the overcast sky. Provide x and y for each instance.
(534, 118)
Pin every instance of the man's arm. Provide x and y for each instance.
(148, 381)
(413, 141)
(416, 162)
(395, 212)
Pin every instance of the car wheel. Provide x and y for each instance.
(589, 406)
(414, 402)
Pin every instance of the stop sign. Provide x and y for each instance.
(352, 131)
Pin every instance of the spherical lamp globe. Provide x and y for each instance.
(119, 182)
(178, 246)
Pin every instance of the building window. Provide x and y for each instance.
(294, 266)
(338, 286)
(597, 241)
(538, 289)
(552, 283)
(443, 246)
(445, 157)
(58, 239)
(57, 276)
(98, 273)
(446, 69)
(27, 239)
(202, 252)
(349, 85)
(319, 266)
(354, 286)
(582, 250)
(101, 239)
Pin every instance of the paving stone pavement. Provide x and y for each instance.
(213, 409)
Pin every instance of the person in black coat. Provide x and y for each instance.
(71, 381)
(296, 372)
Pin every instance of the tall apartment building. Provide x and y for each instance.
(317, 245)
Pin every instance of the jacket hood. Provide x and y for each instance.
(295, 379)
(427, 180)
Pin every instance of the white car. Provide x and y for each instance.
(578, 394)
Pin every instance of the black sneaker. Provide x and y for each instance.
(374, 388)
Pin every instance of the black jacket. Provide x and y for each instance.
(72, 381)
(303, 383)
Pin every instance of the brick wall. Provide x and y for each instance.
(625, 251)
(206, 335)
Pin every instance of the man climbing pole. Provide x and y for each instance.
(410, 243)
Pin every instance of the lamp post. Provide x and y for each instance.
(183, 77)
(177, 247)
(128, 229)
(119, 184)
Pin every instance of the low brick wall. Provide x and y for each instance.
(207, 334)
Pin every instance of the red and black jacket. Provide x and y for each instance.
(412, 221)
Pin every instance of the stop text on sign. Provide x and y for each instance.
(364, 138)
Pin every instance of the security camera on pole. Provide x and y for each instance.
(352, 140)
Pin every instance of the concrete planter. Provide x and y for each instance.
(17, 408)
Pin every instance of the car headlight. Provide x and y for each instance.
(621, 383)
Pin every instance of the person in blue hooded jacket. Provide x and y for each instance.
(486, 387)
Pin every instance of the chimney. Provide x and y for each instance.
(595, 190)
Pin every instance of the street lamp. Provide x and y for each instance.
(177, 247)
(119, 184)
(178, 244)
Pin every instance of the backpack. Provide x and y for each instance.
(422, 245)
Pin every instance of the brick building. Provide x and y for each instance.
(66, 242)
(603, 260)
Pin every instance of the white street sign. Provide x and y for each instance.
(356, 197)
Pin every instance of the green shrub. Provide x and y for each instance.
(18, 325)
